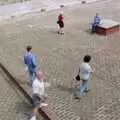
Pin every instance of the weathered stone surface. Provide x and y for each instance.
(59, 56)
(13, 104)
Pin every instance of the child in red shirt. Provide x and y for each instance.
(61, 23)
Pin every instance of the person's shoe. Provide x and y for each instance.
(77, 97)
(62, 33)
(43, 105)
(92, 32)
(87, 90)
(33, 118)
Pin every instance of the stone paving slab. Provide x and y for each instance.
(13, 106)
(13, 103)
(61, 56)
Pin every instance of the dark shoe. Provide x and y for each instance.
(62, 33)
(86, 91)
(76, 97)
(92, 32)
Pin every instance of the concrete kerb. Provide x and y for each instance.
(45, 112)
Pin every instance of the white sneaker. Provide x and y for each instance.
(43, 105)
(33, 118)
(26, 69)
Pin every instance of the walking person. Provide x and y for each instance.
(60, 22)
(39, 94)
(85, 74)
(30, 62)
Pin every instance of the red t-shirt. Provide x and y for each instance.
(60, 18)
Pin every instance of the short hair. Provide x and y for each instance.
(28, 48)
(97, 14)
(87, 58)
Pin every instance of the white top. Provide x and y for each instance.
(106, 23)
(38, 87)
(85, 71)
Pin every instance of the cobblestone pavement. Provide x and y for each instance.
(60, 55)
(13, 105)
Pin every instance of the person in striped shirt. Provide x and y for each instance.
(96, 22)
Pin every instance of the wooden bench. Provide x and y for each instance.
(107, 27)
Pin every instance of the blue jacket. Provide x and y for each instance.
(97, 20)
(30, 61)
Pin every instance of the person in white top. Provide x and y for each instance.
(38, 94)
(85, 72)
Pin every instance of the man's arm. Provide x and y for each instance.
(25, 61)
(34, 61)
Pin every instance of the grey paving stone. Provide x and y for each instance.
(62, 55)
(13, 105)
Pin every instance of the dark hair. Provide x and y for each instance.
(28, 48)
(87, 58)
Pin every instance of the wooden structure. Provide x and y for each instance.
(107, 27)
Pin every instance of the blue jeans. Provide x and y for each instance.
(32, 75)
(94, 25)
(85, 86)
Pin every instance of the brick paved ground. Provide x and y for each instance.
(63, 53)
(13, 105)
